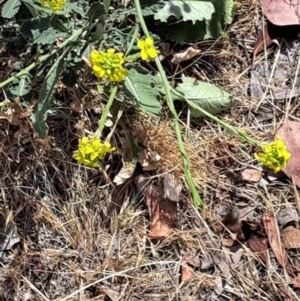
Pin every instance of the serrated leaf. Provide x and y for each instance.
(186, 10)
(205, 95)
(10, 8)
(96, 10)
(46, 98)
(141, 87)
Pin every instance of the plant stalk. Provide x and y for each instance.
(196, 198)
(224, 124)
(106, 110)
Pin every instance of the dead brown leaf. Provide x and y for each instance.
(172, 187)
(15, 113)
(236, 257)
(287, 215)
(296, 281)
(271, 229)
(291, 238)
(251, 175)
(185, 54)
(259, 245)
(290, 134)
(148, 159)
(281, 12)
(227, 242)
(124, 174)
(263, 41)
(162, 212)
(191, 257)
(186, 272)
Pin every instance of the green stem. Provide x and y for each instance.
(133, 39)
(224, 124)
(43, 58)
(106, 110)
(197, 200)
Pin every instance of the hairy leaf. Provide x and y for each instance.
(186, 10)
(46, 98)
(141, 87)
(205, 95)
(10, 8)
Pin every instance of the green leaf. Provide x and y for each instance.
(40, 31)
(223, 15)
(31, 8)
(10, 8)
(141, 87)
(185, 31)
(192, 32)
(49, 36)
(46, 98)
(96, 10)
(150, 7)
(21, 89)
(74, 7)
(106, 4)
(205, 95)
(98, 34)
(186, 10)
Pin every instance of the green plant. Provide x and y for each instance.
(274, 155)
(62, 38)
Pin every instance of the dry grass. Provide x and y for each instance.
(82, 238)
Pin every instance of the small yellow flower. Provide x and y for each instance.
(91, 150)
(108, 65)
(54, 5)
(148, 51)
(274, 155)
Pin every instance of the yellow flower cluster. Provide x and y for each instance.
(91, 150)
(54, 5)
(148, 51)
(274, 155)
(108, 65)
